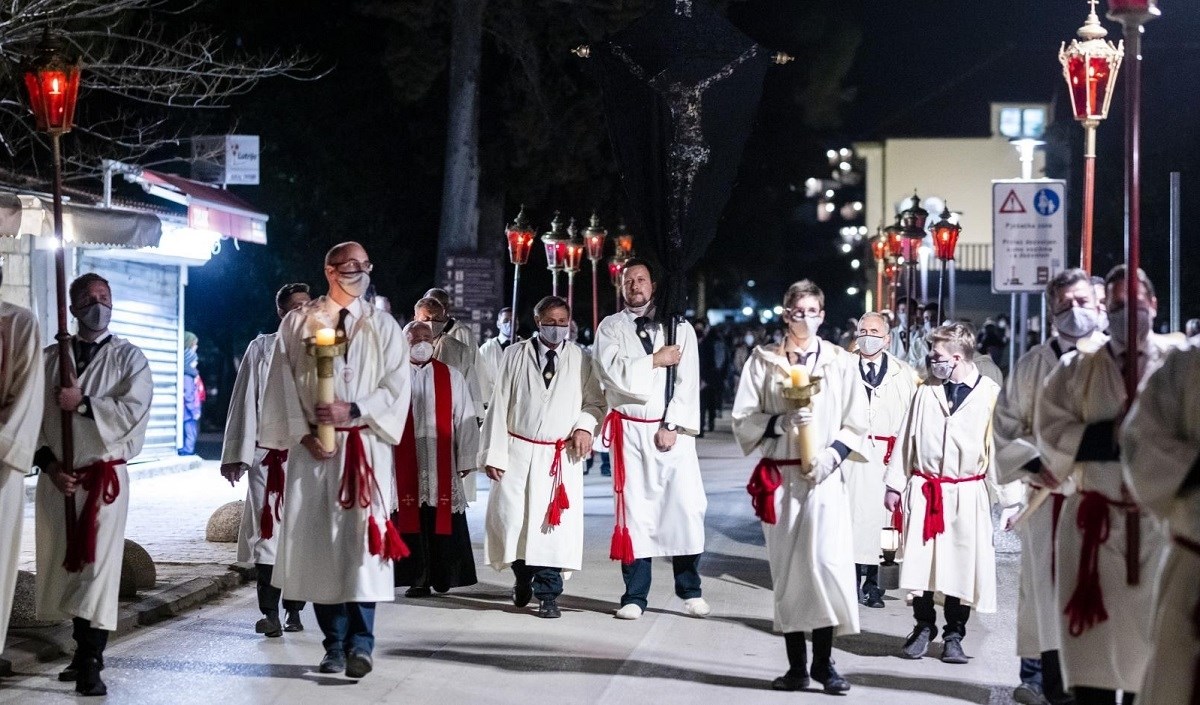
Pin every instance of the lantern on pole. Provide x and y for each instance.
(912, 222)
(623, 242)
(879, 249)
(555, 241)
(1090, 67)
(945, 241)
(616, 267)
(593, 237)
(52, 80)
(520, 236)
(572, 260)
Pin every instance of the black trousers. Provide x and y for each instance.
(867, 580)
(1101, 696)
(710, 404)
(956, 614)
(822, 640)
(89, 641)
(268, 594)
(547, 582)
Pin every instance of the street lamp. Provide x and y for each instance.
(1090, 68)
(594, 236)
(52, 80)
(572, 259)
(520, 236)
(555, 241)
(945, 241)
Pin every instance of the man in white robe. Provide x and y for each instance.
(1106, 623)
(908, 336)
(493, 350)
(538, 428)
(440, 446)
(658, 492)
(242, 454)
(453, 328)
(79, 566)
(22, 399)
(1160, 450)
(944, 472)
(1072, 303)
(338, 543)
(890, 385)
(805, 510)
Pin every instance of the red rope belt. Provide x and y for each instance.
(1190, 545)
(1086, 609)
(273, 462)
(935, 512)
(558, 493)
(102, 484)
(891, 446)
(612, 436)
(357, 489)
(765, 479)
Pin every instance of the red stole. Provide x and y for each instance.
(407, 483)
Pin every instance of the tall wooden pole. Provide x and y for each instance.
(1089, 195)
(66, 370)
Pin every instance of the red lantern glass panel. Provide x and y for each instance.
(1133, 7)
(520, 240)
(909, 247)
(879, 247)
(895, 242)
(1090, 80)
(945, 239)
(573, 255)
(624, 245)
(556, 253)
(616, 267)
(53, 89)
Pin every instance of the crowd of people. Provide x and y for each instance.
(363, 440)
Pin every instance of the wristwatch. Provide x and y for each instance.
(83, 407)
(670, 427)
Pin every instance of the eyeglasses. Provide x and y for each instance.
(352, 266)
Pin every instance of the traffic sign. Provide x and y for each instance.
(1029, 242)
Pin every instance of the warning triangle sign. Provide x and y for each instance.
(1012, 204)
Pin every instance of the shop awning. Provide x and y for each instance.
(25, 214)
(211, 208)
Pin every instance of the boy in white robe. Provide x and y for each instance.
(22, 399)
(241, 454)
(79, 565)
(339, 542)
(805, 510)
(945, 473)
(1160, 450)
(539, 426)
(658, 492)
(1106, 623)
(493, 349)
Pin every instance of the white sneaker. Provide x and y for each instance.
(697, 607)
(629, 611)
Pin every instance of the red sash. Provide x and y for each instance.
(612, 436)
(273, 462)
(1086, 608)
(765, 479)
(357, 489)
(1190, 545)
(935, 513)
(558, 494)
(407, 483)
(891, 446)
(102, 484)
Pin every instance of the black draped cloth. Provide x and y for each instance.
(437, 561)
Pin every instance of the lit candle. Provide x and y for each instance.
(326, 336)
(799, 376)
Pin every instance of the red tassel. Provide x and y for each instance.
(393, 546)
(626, 546)
(614, 549)
(374, 538)
(561, 498)
(266, 522)
(558, 505)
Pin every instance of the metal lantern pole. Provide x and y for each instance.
(520, 239)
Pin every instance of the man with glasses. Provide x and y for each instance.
(339, 543)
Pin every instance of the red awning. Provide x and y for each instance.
(211, 208)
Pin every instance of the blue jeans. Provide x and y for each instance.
(637, 579)
(1031, 672)
(348, 626)
(547, 582)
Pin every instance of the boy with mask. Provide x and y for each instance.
(544, 411)
(493, 348)
(943, 468)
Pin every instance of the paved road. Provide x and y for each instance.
(474, 646)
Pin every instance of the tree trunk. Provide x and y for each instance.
(458, 232)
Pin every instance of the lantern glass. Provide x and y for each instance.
(1091, 70)
(879, 247)
(945, 236)
(573, 255)
(520, 239)
(1133, 7)
(594, 236)
(889, 539)
(616, 267)
(895, 240)
(624, 245)
(52, 81)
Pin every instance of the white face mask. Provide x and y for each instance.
(95, 317)
(1118, 326)
(354, 284)
(421, 352)
(942, 370)
(902, 317)
(438, 327)
(1075, 322)
(870, 345)
(505, 329)
(553, 335)
(811, 322)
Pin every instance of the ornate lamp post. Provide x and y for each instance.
(555, 241)
(594, 237)
(52, 80)
(520, 238)
(895, 264)
(1090, 67)
(945, 241)
(912, 229)
(879, 249)
(572, 259)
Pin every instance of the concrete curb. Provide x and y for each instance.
(26, 648)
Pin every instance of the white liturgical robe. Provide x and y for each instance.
(22, 398)
(809, 547)
(119, 387)
(323, 555)
(465, 435)
(523, 422)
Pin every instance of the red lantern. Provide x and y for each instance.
(895, 242)
(520, 238)
(616, 267)
(556, 244)
(879, 246)
(573, 255)
(594, 236)
(1136, 11)
(1090, 68)
(52, 80)
(623, 242)
(909, 249)
(945, 236)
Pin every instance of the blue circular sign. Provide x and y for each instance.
(1046, 202)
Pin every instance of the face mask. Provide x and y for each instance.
(928, 325)
(903, 318)
(421, 352)
(812, 322)
(1118, 326)
(505, 329)
(553, 335)
(1075, 322)
(95, 317)
(1102, 320)
(942, 370)
(437, 326)
(354, 284)
(870, 344)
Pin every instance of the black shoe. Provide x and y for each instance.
(293, 624)
(334, 661)
(522, 593)
(918, 642)
(828, 676)
(606, 474)
(549, 609)
(358, 663)
(952, 651)
(416, 591)
(71, 672)
(88, 682)
(441, 589)
(790, 681)
(873, 600)
(269, 626)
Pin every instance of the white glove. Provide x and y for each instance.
(823, 465)
(799, 418)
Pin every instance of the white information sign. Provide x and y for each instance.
(1029, 234)
(226, 159)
